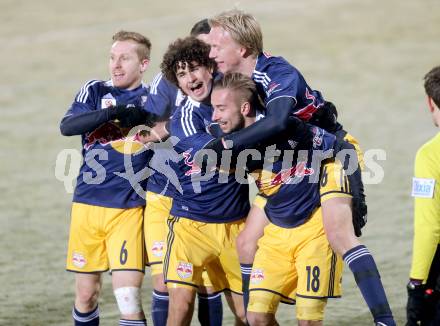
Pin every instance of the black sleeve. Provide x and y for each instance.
(275, 123)
(78, 124)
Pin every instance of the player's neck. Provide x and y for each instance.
(249, 121)
(247, 66)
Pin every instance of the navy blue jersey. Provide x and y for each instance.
(163, 100)
(215, 199)
(275, 77)
(109, 175)
(291, 183)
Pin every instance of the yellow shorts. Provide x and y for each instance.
(102, 238)
(194, 246)
(305, 266)
(334, 182)
(156, 215)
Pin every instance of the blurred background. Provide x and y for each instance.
(368, 57)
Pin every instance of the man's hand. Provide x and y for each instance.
(131, 116)
(415, 307)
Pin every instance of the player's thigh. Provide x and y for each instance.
(87, 251)
(190, 245)
(319, 268)
(228, 259)
(125, 241)
(272, 282)
(255, 223)
(157, 211)
(310, 311)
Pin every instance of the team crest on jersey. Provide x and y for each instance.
(184, 269)
(79, 260)
(107, 101)
(143, 99)
(257, 276)
(157, 248)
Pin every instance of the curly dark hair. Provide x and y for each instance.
(432, 85)
(184, 52)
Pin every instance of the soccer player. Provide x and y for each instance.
(306, 267)
(424, 284)
(237, 46)
(209, 213)
(107, 211)
(162, 101)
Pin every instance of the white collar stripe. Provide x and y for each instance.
(84, 92)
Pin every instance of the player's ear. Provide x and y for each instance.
(245, 109)
(144, 65)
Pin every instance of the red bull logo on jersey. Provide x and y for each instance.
(194, 168)
(78, 260)
(158, 248)
(298, 171)
(103, 135)
(307, 112)
(184, 269)
(257, 276)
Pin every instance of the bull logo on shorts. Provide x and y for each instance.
(184, 269)
(79, 260)
(157, 248)
(257, 276)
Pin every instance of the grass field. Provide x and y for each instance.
(368, 57)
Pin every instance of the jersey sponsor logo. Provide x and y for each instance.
(184, 269)
(423, 188)
(157, 248)
(194, 168)
(107, 101)
(257, 276)
(104, 134)
(298, 171)
(79, 260)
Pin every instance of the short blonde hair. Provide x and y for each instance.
(243, 85)
(144, 45)
(243, 28)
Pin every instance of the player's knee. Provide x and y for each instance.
(87, 298)
(129, 300)
(260, 319)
